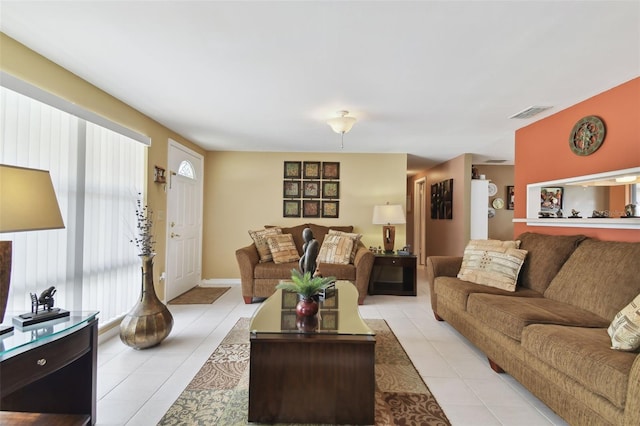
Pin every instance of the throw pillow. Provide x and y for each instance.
(625, 327)
(283, 249)
(335, 249)
(260, 239)
(355, 237)
(492, 263)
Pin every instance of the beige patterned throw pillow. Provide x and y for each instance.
(335, 249)
(260, 239)
(283, 249)
(492, 263)
(625, 327)
(355, 237)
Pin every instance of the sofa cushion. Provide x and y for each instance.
(320, 231)
(336, 249)
(260, 237)
(510, 315)
(355, 237)
(546, 255)
(583, 354)
(270, 270)
(493, 263)
(282, 248)
(341, 272)
(456, 291)
(624, 330)
(600, 276)
(296, 233)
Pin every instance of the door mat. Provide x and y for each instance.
(199, 296)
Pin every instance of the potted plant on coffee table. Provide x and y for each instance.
(308, 287)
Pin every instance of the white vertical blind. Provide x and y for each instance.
(97, 175)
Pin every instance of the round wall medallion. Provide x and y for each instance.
(498, 203)
(587, 135)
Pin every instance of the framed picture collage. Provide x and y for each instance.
(311, 189)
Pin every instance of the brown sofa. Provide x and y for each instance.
(260, 279)
(551, 333)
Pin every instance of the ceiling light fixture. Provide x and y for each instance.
(341, 124)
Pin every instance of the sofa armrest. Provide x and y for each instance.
(441, 266)
(364, 264)
(632, 407)
(247, 258)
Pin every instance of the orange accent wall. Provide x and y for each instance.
(542, 151)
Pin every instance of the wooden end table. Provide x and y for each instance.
(394, 274)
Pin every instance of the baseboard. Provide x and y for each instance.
(214, 282)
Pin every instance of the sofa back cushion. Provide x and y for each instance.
(318, 231)
(600, 276)
(545, 256)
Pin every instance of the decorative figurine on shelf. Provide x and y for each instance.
(45, 300)
(630, 210)
(575, 214)
(38, 315)
(559, 214)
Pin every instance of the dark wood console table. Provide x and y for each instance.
(50, 368)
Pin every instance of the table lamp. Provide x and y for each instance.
(388, 215)
(27, 203)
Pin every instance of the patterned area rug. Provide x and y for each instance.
(199, 296)
(219, 393)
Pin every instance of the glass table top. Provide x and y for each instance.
(17, 340)
(338, 314)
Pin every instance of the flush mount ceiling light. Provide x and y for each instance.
(341, 124)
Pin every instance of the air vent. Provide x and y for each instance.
(530, 112)
(495, 161)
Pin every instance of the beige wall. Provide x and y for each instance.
(27, 65)
(243, 191)
(501, 225)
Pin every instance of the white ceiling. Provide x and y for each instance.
(433, 79)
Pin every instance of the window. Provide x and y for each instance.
(97, 175)
(186, 169)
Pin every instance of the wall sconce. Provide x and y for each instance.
(159, 175)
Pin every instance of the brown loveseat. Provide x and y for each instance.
(551, 333)
(259, 279)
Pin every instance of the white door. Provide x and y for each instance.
(419, 220)
(184, 220)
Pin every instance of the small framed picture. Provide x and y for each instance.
(551, 199)
(311, 189)
(291, 208)
(330, 170)
(292, 169)
(291, 189)
(510, 197)
(289, 299)
(310, 208)
(288, 321)
(330, 209)
(311, 170)
(330, 189)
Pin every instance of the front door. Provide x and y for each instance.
(184, 220)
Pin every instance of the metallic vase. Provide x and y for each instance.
(149, 322)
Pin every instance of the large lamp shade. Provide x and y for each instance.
(27, 203)
(388, 215)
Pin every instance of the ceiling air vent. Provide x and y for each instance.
(530, 112)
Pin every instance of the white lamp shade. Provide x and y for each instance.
(27, 200)
(388, 214)
(341, 124)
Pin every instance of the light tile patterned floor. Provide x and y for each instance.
(137, 387)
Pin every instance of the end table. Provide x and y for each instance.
(393, 274)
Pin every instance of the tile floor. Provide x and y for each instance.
(137, 387)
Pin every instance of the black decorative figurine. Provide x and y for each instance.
(37, 315)
(310, 250)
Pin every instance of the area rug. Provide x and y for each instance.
(199, 296)
(219, 392)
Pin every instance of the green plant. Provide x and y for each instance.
(304, 284)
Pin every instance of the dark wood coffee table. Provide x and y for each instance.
(321, 376)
